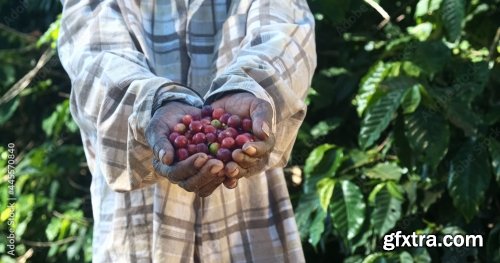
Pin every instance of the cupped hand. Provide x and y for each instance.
(198, 173)
(253, 156)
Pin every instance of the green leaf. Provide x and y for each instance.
(462, 116)
(420, 255)
(335, 10)
(405, 257)
(469, 178)
(395, 190)
(379, 114)
(325, 191)
(401, 145)
(52, 229)
(317, 227)
(385, 171)
(374, 192)
(365, 234)
(494, 147)
(469, 80)
(51, 35)
(411, 100)
(428, 135)
(74, 249)
(347, 209)
(322, 162)
(493, 244)
(60, 118)
(386, 212)
(421, 31)
(8, 109)
(378, 258)
(411, 69)
(354, 259)
(315, 157)
(426, 7)
(308, 204)
(369, 85)
(430, 197)
(452, 15)
(322, 128)
(430, 56)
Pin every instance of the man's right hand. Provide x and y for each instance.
(197, 173)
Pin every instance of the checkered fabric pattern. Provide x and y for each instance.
(118, 54)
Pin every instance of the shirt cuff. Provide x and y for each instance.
(175, 92)
(162, 90)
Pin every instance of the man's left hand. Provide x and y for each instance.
(253, 156)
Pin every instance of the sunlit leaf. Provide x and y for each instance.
(411, 100)
(426, 7)
(386, 212)
(385, 171)
(379, 115)
(53, 228)
(325, 191)
(347, 209)
(421, 31)
(315, 157)
(322, 128)
(428, 135)
(369, 85)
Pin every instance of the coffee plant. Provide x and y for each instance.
(402, 134)
(403, 131)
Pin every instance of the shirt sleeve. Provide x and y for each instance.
(275, 61)
(113, 88)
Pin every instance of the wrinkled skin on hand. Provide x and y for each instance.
(253, 156)
(198, 173)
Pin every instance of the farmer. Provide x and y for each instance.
(136, 68)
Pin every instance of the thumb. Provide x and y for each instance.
(262, 114)
(164, 151)
(156, 136)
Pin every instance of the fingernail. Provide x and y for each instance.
(266, 129)
(198, 163)
(235, 172)
(250, 150)
(238, 157)
(161, 154)
(233, 185)
(216, 169)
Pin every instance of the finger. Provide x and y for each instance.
(261, 114)
(257, 168)
(209, 188)
(164, 151)
(243, 159)
(231, 183)
(181, 170)
(156, 136)
(260, 148)
(207, 173)
(233, 170)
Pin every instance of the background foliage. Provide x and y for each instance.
(402, 133)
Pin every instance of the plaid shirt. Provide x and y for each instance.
(118, 54)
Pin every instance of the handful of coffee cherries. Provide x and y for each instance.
(216, 133)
